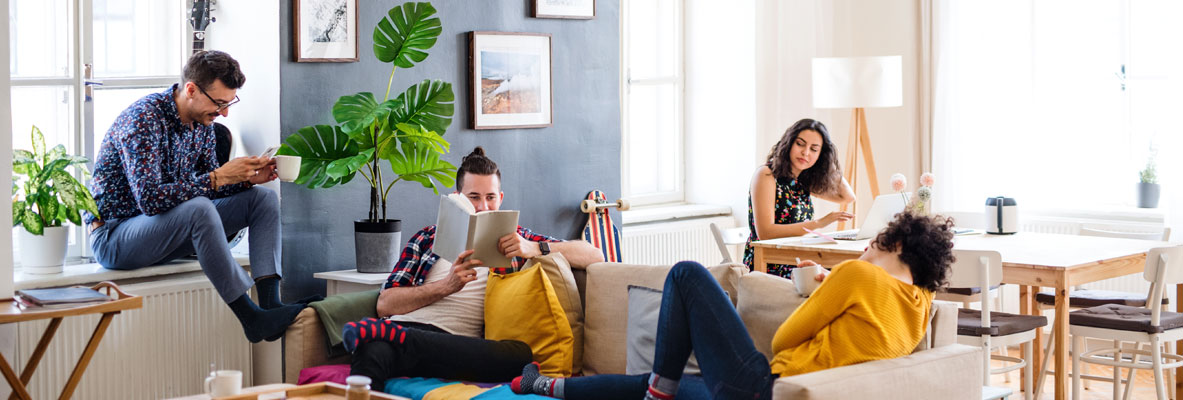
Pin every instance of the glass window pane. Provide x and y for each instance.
(48, 107)
(654, 144)
(39, 36)
(653, 38)
(108, 104)
(138, 38)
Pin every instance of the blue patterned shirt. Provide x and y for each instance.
(150, 162)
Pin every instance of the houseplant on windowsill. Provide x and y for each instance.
(45, 197)
(405, 131)
(1148, 189)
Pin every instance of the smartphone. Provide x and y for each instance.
(269, 152)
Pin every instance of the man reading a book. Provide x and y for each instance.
(433, 309)
(163, 194)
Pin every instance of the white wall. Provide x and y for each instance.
(720, 104)
(249, 32)
(791, 32)
(7, 331)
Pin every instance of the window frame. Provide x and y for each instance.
(678, 79)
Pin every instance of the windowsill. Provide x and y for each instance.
(80, 274)
(1105, 212)
(672, 212)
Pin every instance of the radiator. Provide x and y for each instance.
(667, 242)
(162, 350)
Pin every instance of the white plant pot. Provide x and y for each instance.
(43, 254)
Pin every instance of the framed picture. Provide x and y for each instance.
(569, 9)
(325, 30)
(509, 78)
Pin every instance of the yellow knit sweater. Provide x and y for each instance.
(858, 314)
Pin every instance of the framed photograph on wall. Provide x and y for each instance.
(325, 30)
(569, 9)
(509, 79)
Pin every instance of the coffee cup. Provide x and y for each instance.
(223, 382)
(805, 279)
(287, 167)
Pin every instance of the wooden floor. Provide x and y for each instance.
(1143, 386)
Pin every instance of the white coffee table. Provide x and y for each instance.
(349, 281)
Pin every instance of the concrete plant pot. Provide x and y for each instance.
(376, 244)
(45, 253)
(1148, 195)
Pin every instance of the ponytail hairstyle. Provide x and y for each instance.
(824, 176)
(475, 163)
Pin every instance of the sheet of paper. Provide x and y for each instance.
(817, 240)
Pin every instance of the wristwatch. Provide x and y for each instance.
(544, 247)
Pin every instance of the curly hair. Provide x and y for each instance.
(204, 67)
(824, 176)
(925, 244)
(476, 163)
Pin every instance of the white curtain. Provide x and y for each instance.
(1028, 101)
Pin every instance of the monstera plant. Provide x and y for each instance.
(45, 197)
(404, 131)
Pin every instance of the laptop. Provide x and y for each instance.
(882, 211)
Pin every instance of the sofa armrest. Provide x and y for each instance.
(305, 345)
(947, 372)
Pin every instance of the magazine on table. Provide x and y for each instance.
(59, 297)
(459, 227)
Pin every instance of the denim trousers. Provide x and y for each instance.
(696, 315)
(198, 226)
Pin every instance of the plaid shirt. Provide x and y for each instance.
(417, 258)
(150, 162)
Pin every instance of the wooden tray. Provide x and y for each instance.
(313, 391)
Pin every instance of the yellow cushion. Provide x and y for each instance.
(558, 271)
(523, 306)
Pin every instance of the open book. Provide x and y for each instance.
(459, 227)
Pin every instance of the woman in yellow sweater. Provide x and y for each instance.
(872, 308)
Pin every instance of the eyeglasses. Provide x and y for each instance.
(221, 105)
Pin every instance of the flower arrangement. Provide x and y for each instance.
(921, 203)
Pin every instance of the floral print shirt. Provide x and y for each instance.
(792, 205)
(150, 162)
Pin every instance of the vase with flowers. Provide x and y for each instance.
(921, 203)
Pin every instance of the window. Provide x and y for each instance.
(73, 86)
(651, 52)
(1054, 102)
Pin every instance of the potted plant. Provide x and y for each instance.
(1148, 189)
(405, 131)
(45, 196)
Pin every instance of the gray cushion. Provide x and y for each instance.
(1091, 298)
(969, 323)
(1125, 318)
(644, 306)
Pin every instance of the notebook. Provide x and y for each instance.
(73, 295)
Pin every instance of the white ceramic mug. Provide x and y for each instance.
(223, 382)
(805, 279)
(287, 167)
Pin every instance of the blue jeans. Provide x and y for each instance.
(695, 315)
(200, 226)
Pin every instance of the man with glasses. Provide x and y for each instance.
(162, 194)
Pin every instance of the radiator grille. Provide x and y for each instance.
(666, 243)
(159, 351)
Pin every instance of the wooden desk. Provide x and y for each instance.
(10, 312)
(1030, 260)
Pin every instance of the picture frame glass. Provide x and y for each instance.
(327, 29)
(511, 81)
(565, 8)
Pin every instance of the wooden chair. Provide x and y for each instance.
(726, 238)
(1148, 324)
(985, 328)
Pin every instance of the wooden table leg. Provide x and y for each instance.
(87, 354)
(1060, 340)
(42, 345)
(1027, 307)
(18, 388)
(1179, 344)
(758, 263)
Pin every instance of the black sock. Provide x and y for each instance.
(268, 291)
(534, 382)
(259, 324)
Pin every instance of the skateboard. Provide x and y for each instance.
(600, 231)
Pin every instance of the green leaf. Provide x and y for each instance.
(53, 168)
(18, 210)
(73, 215)
(318, 146)
(357, 112)
(48, 206)
(32, 222)
(419, 135)
(403, 35)
(428, 103)
(38, 143)
(346, 166)
(420, 164)
(56, 152)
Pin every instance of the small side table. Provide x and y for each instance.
(10, 312)
(349, 281)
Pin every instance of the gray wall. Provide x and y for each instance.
(545, 171)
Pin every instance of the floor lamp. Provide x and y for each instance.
(858, 83)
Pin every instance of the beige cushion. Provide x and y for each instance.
(561, 278)
(605, 318)
(946, 373)
(765, 302)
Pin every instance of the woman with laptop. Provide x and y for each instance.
(802, 164)
(872, 308)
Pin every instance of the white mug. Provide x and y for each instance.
(287, 167)
(804, 278)
(223, 383)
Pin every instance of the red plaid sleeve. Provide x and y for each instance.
(416, 259)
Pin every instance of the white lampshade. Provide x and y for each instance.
(853, 82)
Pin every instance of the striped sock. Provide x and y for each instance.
(370, 329)
(661, 388)
(533, 382)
